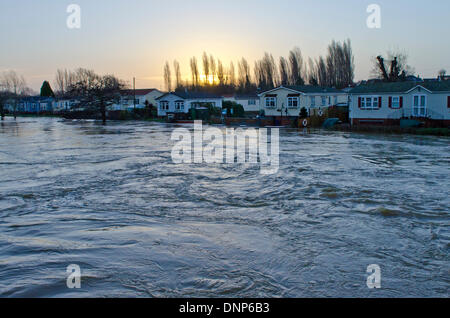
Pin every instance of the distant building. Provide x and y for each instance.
(137, 99)
(388, 103)
(182, 102)
(287, 101)
(250, 102)
(64, 104)
(35, 104)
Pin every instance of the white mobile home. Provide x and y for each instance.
(182, 102)
(387, 103)
(287, 101)
(138, 98)
(250, 102)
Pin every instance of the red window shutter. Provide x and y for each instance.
(448, 101)
(359, 102)
(401, 101)
(380, 101)
(390, 101)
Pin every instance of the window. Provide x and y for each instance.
(164, 105)
(375, 102)
(329, 100)
(335, 100)
(324, 100)
(271, 102)
(369, 103)
(252, 102)
(292, 102)
(419, 105)
(395, 102)
(179, 105)
(313, 101)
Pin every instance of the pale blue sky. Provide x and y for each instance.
(135, 37)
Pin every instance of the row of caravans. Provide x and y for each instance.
(368, 104)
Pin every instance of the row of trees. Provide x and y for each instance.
(336, 70)
(12, 87)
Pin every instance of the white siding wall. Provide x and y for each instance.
(172, 99)
(246, 104)
(436, 104)
(304, 101)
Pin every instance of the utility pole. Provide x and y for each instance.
(134, 92)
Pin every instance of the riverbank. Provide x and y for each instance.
(442, 132)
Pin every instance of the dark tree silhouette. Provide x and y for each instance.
(393, 69)
(96, 92)
(46, 90)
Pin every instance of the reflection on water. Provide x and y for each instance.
(110, 200)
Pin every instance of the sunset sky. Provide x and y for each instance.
(135, 37)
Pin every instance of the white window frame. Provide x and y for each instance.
(395, 103)
(271, 102)
(419, 110)
(370, 102)
(252, 102)
(313, 101)
(179, 106)
(324, 101)
(293, 100)
(164, 106)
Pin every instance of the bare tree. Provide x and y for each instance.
(63, 79)
(167, 77)
(442, 73)
(194, 72)
(393, 69)
(348, 64)
(60, 83)
(213, 69)
(284, 71)
(259, 75)
(321, 72)
(16, 86)
(94, 91)
(244, 78)
(178, 80)
(206, 67)
(296, 67)
(4, 95)
(313, 78)
(269, 70)
(220, 73)
(232, 75)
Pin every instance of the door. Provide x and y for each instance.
(419, 105)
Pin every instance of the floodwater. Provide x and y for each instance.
(109, 199)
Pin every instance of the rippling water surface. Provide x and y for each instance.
(110, 200)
